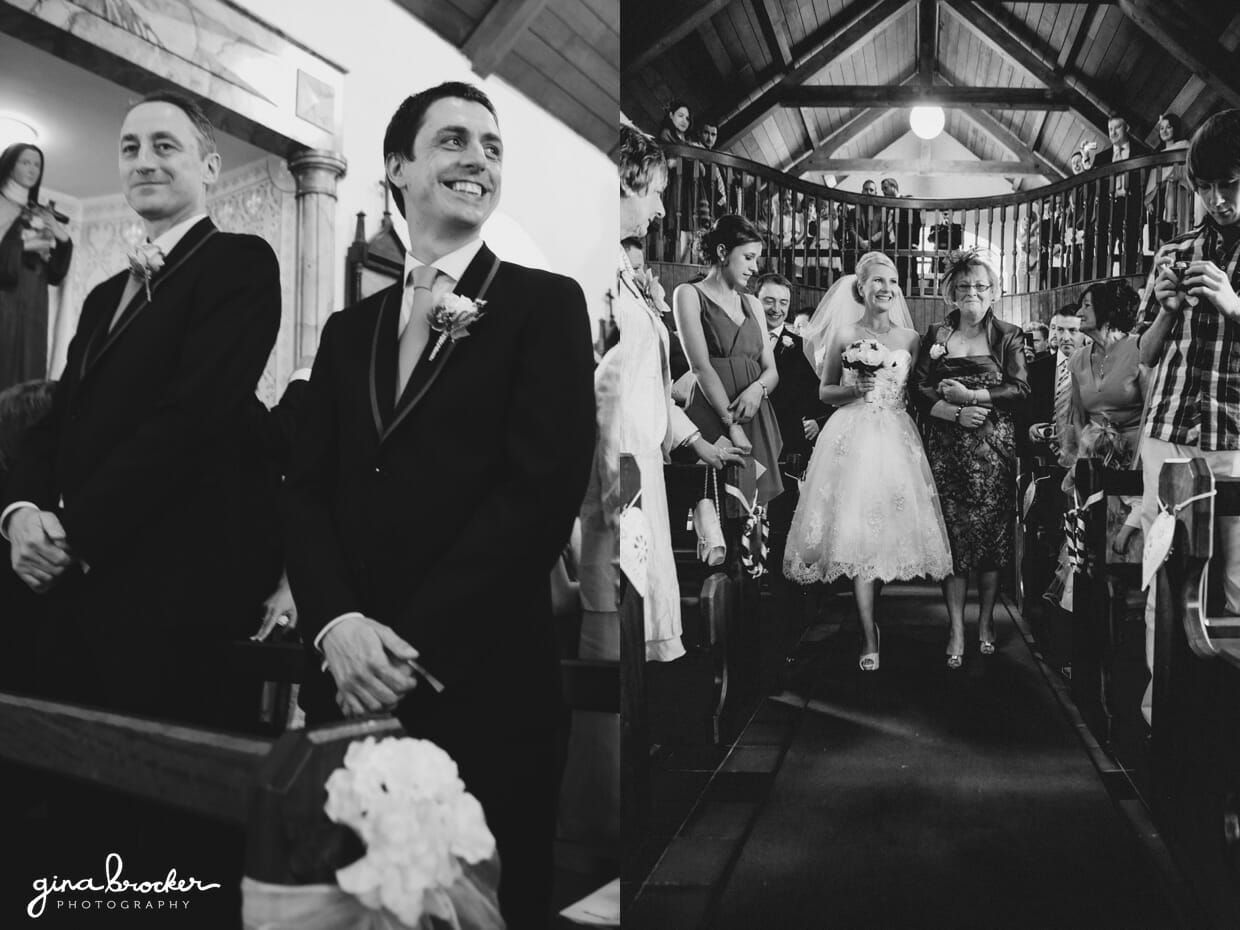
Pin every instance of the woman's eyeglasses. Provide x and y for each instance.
(965, 288)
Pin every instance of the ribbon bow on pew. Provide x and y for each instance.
(753, 543)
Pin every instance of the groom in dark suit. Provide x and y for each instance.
(125, 502)
(434, 482)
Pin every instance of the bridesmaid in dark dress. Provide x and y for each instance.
(724, 337)
(969, 378)
(34, 254)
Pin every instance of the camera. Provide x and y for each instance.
(1179, 269)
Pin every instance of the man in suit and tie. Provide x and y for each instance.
(128, 504)
(1118, 231)
(125, 505)
(797, 408)
(434, 481)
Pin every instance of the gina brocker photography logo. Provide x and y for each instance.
(114, 892)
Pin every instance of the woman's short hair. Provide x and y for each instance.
(730, 231)
(959, 264)
(8, 161)
(641, 161)
(1115, 303)
(1214, 153)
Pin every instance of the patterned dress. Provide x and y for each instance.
(975, 471)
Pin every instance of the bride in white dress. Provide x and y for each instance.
(868, 509)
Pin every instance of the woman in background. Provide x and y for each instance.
(35, 250)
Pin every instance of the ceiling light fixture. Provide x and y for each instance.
(927, 122)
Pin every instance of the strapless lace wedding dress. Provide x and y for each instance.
(868, 505)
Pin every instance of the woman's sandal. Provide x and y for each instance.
(869, 660)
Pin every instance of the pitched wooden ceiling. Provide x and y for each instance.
(564, 54)
(802, 84)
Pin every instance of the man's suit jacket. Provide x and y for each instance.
(1107, 156)
(1039, 406)
(142, 457)
(795, 398)
(442, 515)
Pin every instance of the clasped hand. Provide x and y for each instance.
(719, 453)
(38, 547)
(746, 403)
(370, 665)
(954, 392)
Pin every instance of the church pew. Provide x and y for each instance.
(634, 724)
(1195, 740)
(1100, 606)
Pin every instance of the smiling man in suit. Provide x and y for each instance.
(125, 500)
(434, 483)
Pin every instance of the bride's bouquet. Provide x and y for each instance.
(430, 859)
(867, 356)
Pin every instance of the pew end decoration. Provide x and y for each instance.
(407, 848)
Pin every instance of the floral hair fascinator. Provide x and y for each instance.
(959, 260)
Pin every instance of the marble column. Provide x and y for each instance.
(316, 172)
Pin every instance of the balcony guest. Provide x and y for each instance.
(1118, 230)
(1168, 193)
(1190, 337)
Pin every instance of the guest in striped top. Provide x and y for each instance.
(1191, 338)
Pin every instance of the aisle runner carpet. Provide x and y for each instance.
(918, 798)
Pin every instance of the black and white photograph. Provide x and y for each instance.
(299, 314)
(953, 644)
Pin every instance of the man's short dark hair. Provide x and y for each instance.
(21, 407)
(1067, 310)
(403, 128)
(773, 277)
(1214, 153)
(193, 111)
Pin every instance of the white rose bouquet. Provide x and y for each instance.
(866, 355)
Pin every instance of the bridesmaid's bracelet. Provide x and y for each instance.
(959, 410)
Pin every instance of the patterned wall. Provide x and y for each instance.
(256, 198)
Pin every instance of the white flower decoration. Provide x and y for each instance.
(937, 351)
(406, 801)
(452, 316)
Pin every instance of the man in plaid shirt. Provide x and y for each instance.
(1190, 337)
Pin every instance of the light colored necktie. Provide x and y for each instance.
(421, 297)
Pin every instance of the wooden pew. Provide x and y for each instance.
(1099, 604)
(1195, 741)
(634, 725)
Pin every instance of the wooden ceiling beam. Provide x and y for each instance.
(857, 123)
(1071, 50)
(923, 168)
(1011, 141)
(927, 40)
(1202, 54)
(497, 32)
(692, 15)
(1194, 87)
(889, 95)
(769, 19)
(857, 25)
(1010, 37)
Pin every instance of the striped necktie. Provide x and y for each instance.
(1063, 395)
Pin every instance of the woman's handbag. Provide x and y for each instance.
(711, 548)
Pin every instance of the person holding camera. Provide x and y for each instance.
(1190, 336)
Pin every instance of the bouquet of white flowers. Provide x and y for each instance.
(430, 858)
(866, 355)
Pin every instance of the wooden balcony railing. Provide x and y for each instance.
(1102, 224)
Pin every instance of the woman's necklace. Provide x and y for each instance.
(1099, 350)
(881, 332)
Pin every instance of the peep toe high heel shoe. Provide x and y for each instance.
(869, 660)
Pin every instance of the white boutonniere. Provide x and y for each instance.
(937, 351)
(145, 261)
(452, 316)
(787, 341)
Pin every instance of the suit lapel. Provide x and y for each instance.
(474, 285)
(383, 357)
(175, 260)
